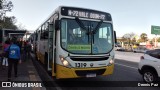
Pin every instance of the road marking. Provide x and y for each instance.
(36, 88)
(32, 78)
(31, 72)
(126, 66)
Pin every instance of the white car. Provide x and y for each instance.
(119, 48)
(149, 65)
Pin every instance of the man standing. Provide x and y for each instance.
(13, 58)
(28, 49)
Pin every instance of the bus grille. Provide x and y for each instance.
(85, 72)
(89, 59)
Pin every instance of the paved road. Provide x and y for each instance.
(125, 72)
(128, 56)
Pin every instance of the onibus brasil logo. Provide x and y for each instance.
(21, 84)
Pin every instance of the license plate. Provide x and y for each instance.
(91, 75)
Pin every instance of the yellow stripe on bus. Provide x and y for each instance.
(64, 72)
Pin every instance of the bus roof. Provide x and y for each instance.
(58, 10)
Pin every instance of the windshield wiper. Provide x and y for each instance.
(88, 33)
(97, 27)
(80, 23)
(82, 26)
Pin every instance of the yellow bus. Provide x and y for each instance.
(76, 42)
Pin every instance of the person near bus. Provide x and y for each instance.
(19, 43)
(5, 57)
(27, 50)
(72, 37)
(13, 58)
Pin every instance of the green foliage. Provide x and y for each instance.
(8, 23)
(143, 37)
(6, 4)
(151, 42)
(133, 41)
(129, 37)
(158, 39)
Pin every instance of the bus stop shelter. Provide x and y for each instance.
(9, 33)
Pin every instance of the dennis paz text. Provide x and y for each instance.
(148, 84)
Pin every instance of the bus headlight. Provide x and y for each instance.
(65, 63)
(63, 60)
(111, 62)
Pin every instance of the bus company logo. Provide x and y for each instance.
(91, 64)
(6, 84)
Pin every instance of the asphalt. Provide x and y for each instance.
(26, 74)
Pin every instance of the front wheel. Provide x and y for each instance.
(149, 76)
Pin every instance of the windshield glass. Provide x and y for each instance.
(74, 39)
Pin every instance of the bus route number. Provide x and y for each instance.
(80, 65)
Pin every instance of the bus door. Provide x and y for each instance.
(50, 46)
(37, 45)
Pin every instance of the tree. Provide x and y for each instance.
(9, 23)
(144, 37)
(129, 37)
(133, 41)
(0, 4)
(5, 6)
(6, 22)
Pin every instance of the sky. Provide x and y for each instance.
(128, 16)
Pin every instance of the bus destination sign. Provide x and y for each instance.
(76, 13)
(85, 13)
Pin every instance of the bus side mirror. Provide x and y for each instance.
(115, 37)
(57, 24)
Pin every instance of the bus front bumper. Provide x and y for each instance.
(65, 72)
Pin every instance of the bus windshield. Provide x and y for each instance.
(76, 39)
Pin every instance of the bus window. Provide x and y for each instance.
(78, 41)
(64, 34)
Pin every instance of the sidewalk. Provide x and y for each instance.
(26, 72)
